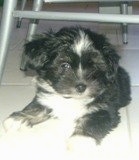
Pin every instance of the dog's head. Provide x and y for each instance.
(73, 61)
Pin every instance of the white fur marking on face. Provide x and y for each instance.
(82, 43)
(80, 71)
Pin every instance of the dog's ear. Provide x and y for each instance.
(112, 60)
(109, 54)
(35, 53)
(39, 53)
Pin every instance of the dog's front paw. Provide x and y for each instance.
(17, 121)
(11, 124)
(81, 148)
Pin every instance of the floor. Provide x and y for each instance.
(17, 89)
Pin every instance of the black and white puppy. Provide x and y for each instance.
(79, 84)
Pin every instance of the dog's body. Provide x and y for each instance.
(80, 84)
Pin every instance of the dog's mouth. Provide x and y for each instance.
(67, 97)
(77, 95)
(85, 99)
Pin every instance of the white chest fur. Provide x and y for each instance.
(66, 111)
(64, 108)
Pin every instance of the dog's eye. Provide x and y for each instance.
(65, 65)
(95, 54)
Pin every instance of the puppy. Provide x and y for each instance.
(80, 85)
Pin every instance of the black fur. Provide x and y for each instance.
(56, 62)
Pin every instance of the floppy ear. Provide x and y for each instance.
(111, 59)
(35, 53)
(39, 53)
(109, 54)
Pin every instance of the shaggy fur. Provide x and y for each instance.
(80, 84)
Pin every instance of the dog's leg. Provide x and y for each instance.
(97, 125)
(32, 114)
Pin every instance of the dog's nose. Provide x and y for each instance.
(80, 87)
